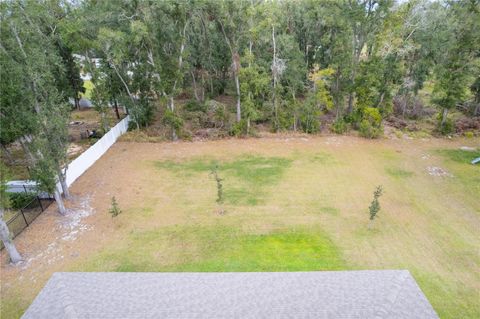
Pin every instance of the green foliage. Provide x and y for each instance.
(309, 116)
(340, 126)
(371, 123)
(195, 106)
(448, 127)
(45, 174)
(321, 79)
(239, 128)
(254, 85)
(4, 178)
(172, 120)
(375, 83)
(20, 200)
(218, 180)
(374, 207)
(114, 209)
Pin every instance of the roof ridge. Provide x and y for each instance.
(64, 297)
(383, 306)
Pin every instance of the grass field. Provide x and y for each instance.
(291, 203)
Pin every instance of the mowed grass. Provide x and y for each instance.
(244, 178)
(221, 249)
(298, 206)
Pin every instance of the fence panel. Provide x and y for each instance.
(79, 165)
(23, 217)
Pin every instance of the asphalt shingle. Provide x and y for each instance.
(327, 294)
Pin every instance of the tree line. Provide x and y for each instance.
(285, 63)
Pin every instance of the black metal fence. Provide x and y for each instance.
(23, 217)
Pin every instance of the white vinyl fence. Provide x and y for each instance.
(79, 165)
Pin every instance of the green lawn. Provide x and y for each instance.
(290, 206)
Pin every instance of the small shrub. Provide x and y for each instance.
(469, 134)
(174, 121)
(371, 123)
(447, 128)
(114, 209)
(20, 200)
(374, 207)
(239, 128)
(340, 126)
(368, 130)
(195, 106)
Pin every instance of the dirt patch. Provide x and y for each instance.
(438, 171)
(66, 228)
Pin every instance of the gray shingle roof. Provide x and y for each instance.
(326, 294)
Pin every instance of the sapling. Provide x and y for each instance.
(214, 173)
(375, 205)
(114, 209)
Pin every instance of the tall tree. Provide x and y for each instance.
(5, 235)
(229, 18)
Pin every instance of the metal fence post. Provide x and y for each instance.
(40, 202)
(23, 215)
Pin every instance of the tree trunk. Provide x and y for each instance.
(370, 224)
(77, 102)
(26, 150)
(211, 86)
(203, 88)
(294, 111)
(337, 94)
(350, 103)
(236, 69)
(274, 73)
(239, 107)
(106, 128)
(63, 183)
(195, 86)
(405, 102)
(172, 108)
(444, 117)
(59, 200)
(477, 110)
(115, 103)
(15, 257)
(382, 96)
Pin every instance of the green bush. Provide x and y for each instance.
(371, 123)
(469, 134)
(239, 128)
(368, 130)
(309, 116)
(20, 200)
(195, 106)
(447, 128)
(174, 121)
(340, 126)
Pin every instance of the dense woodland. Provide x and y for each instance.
(285, 65)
